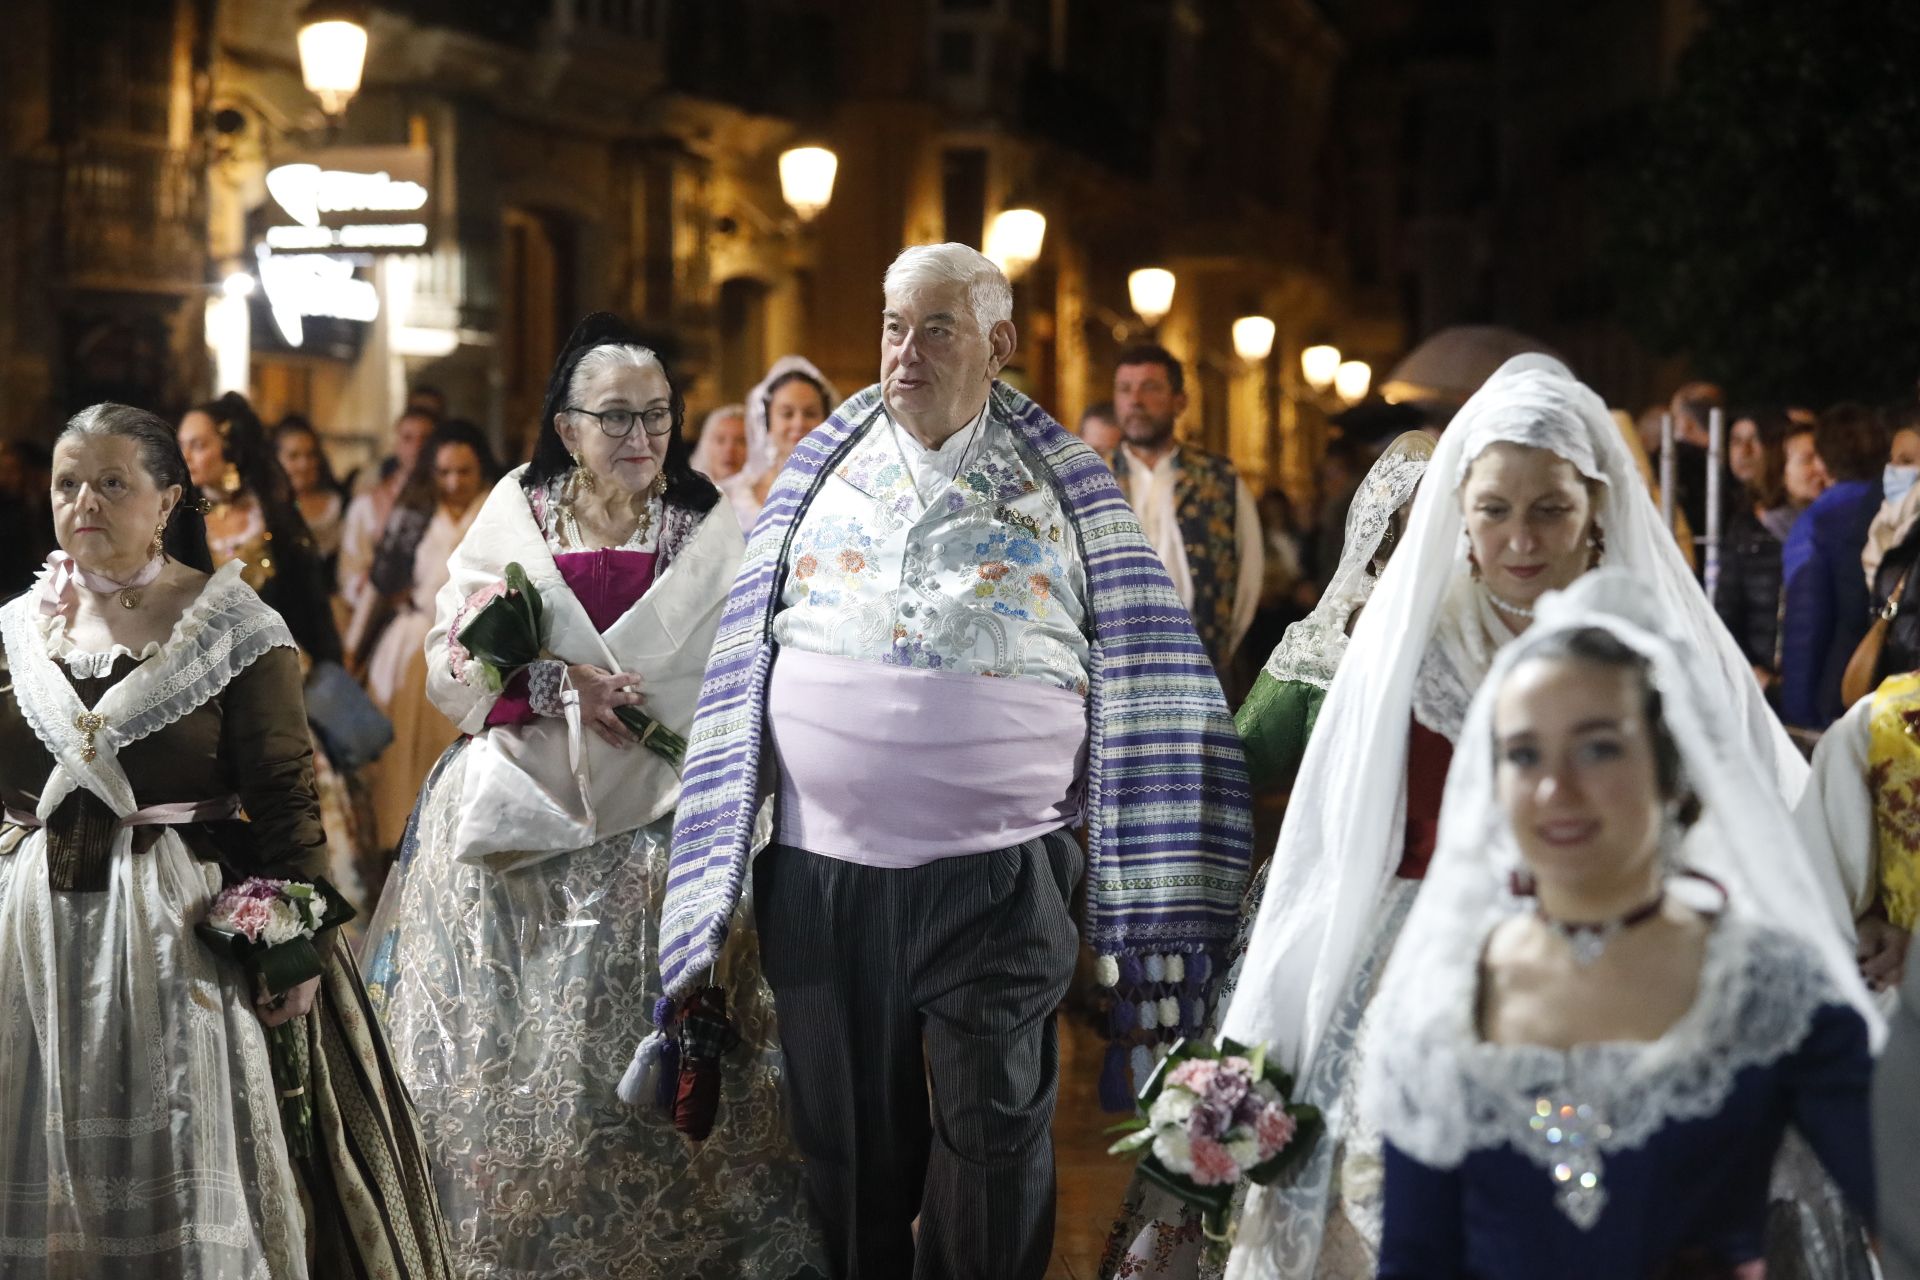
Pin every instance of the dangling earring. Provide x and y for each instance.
(1473, 564)
(230, 479)
(1597, 540)
(582, 477)
(659, 485)
(158, 546)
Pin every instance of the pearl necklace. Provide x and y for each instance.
(1508, 607)
(570, 524)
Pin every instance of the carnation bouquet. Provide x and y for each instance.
(272, 928)
(1209, 1118)
(506, 633)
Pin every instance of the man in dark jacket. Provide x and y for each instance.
(1827, 601)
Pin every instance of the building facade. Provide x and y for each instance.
(623, 154)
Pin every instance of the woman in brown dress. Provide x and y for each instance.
(153, 747)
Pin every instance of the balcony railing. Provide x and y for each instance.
(124, 216)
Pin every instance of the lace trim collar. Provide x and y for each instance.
(1452, 1093)
(94, 664)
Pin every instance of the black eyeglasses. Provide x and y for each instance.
(618, 423)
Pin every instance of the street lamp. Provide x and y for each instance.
(1320, 365)
(333, 52)
(806, 179)
(1150, 289)
(1014, 240)
(1253, 338)
(1351, 380)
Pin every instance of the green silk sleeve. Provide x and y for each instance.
(1274, 723)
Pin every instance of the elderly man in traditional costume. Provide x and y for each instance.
(949, 645)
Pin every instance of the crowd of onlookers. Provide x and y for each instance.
(1819, 530)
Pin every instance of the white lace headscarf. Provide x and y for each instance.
(1412, 1064)
(1338, 850)
(702, 460)
(1311, 649)
(738, 488)
(760, 447)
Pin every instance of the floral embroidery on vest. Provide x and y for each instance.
(1205, 497)
(1893, 772)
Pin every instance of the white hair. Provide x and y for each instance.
(611, 355)
(989, 296)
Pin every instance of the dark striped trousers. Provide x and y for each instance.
(888, 980)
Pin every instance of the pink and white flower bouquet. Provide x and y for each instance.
(1209, 1118)
(271, 927)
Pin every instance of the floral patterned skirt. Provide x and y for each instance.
(513, 1001)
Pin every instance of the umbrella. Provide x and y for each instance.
(1450, 366)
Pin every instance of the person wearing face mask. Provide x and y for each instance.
(1531, 486)
(1891, 549)
(1825, 615)
(515, 950)
(432, 513)
(793, 399)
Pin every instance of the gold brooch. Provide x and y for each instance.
(89, 723)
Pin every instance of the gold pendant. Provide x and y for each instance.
(89, 723)
(129, 599)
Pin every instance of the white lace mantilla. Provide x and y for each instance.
(1311, 649)
(1447, 1093)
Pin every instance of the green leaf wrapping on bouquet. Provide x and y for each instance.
(653, 735)
(505, 633)
(505, 636)
(1213, 1202)
(281, 968)
(285, 965)
(292, 1074)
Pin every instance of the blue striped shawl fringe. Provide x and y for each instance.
(1169, 825)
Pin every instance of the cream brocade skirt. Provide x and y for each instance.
(139, 1126)
(513, 1001)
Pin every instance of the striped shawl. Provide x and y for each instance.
(1168, 805)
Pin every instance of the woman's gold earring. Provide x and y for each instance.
(582, 476)
(230, 479)
(159, 541)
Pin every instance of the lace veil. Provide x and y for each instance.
(1414, 1084)
(759, 445)
(1338, 849)
(1311, 649)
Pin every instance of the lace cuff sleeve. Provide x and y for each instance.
(546, 681)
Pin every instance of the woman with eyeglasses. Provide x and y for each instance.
(516, 950)
(437, 506)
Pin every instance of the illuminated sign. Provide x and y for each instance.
(310, 284)
(353, 200)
